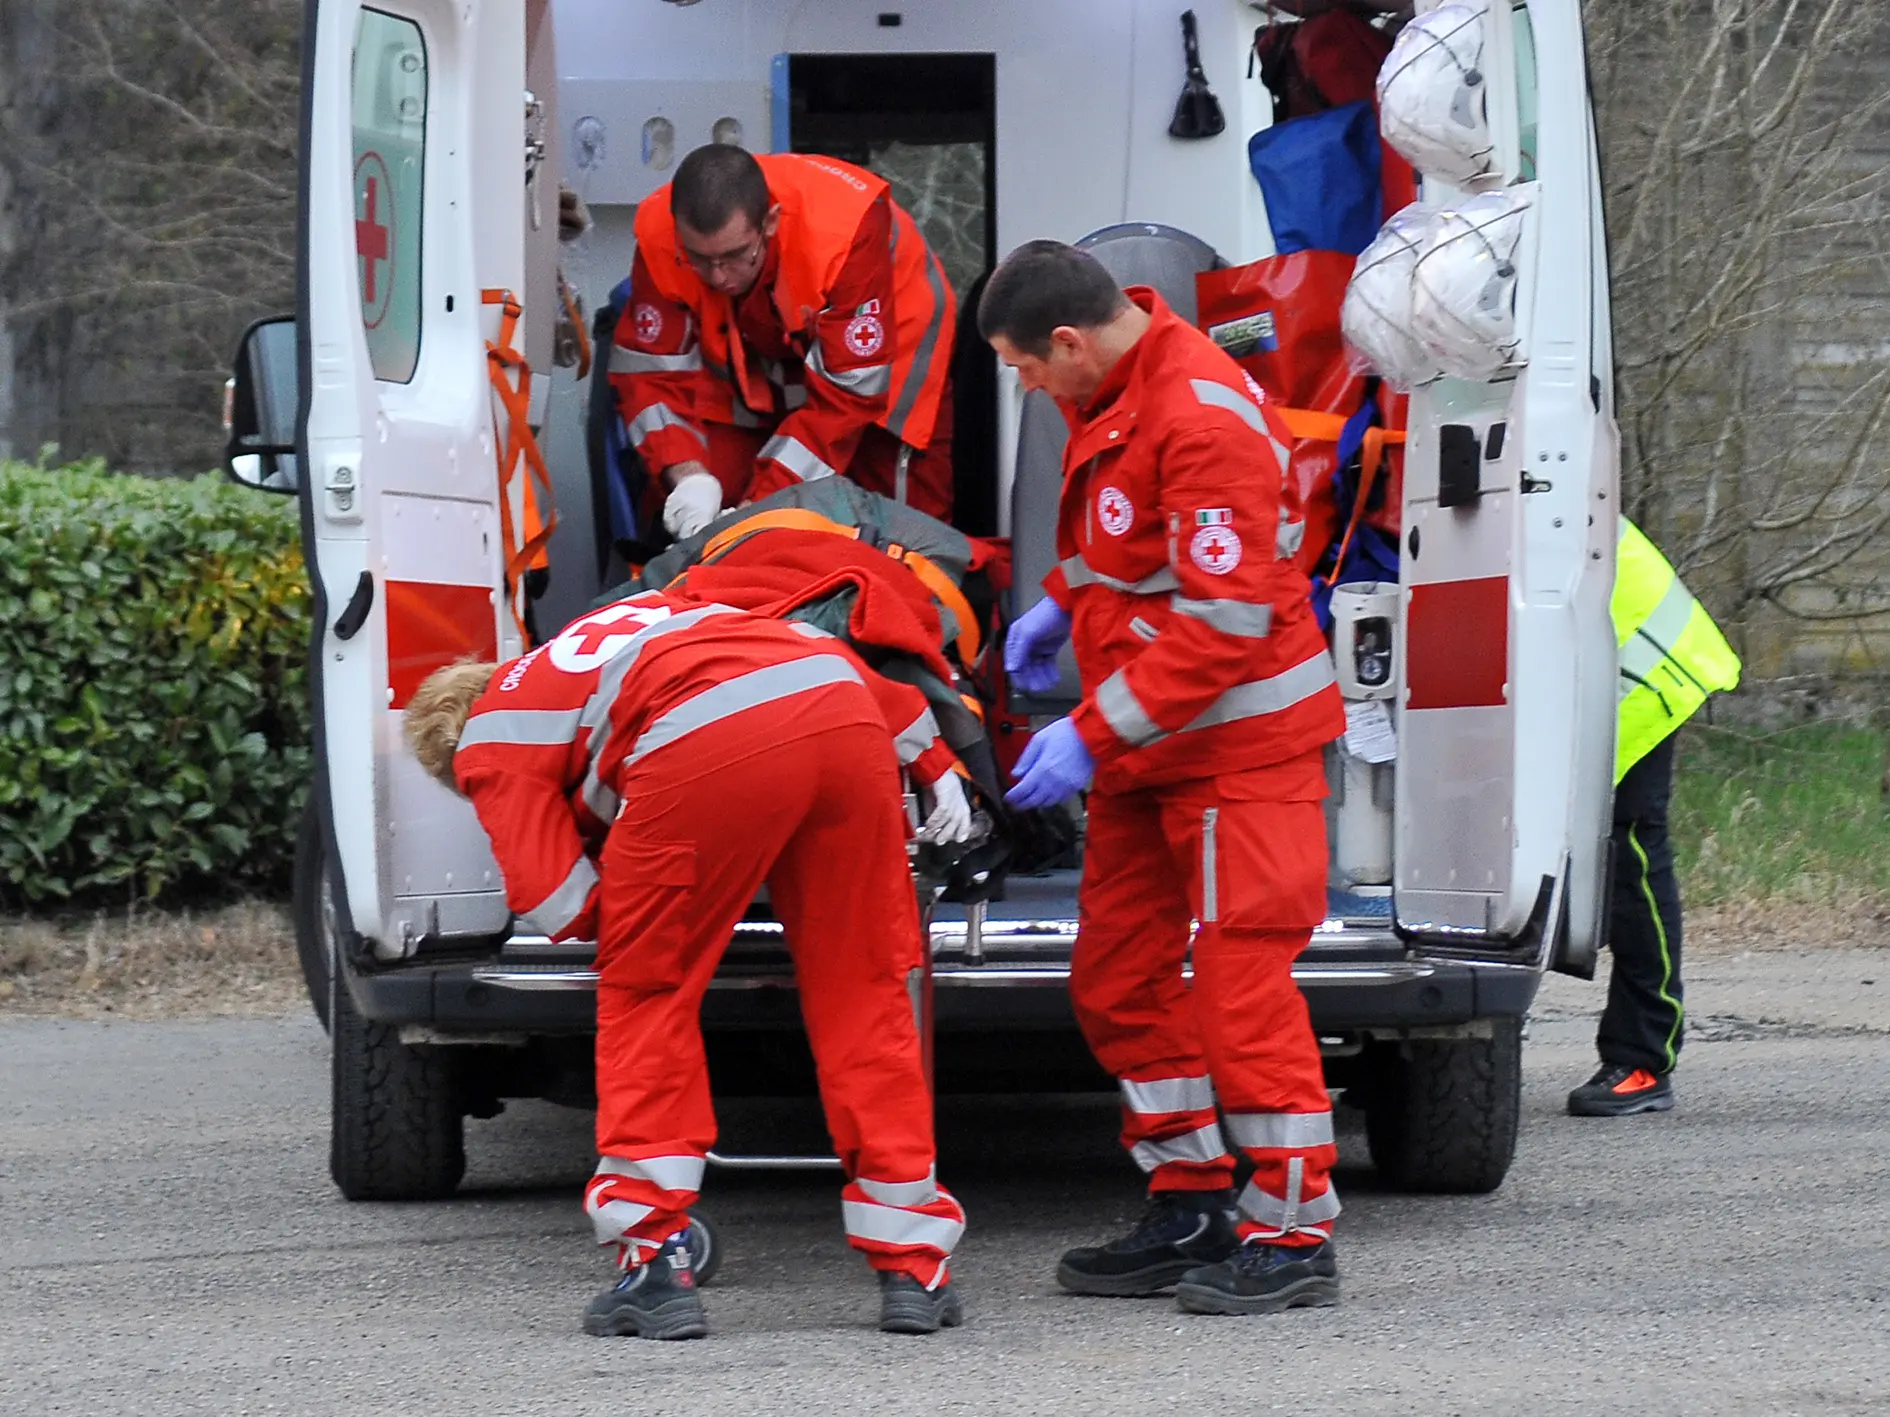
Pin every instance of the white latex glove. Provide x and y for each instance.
(694, 502)
(951, 815)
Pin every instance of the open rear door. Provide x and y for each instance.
(1507, 714)
(413, 205)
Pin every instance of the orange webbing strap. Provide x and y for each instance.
(944, 589)
(1320, 427)
(521, 552)
(576, 316)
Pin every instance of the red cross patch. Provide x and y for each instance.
(1215, 549)
(865, 336)
(649, 323)
(1115, 510)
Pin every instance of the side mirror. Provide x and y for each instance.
(260, 401)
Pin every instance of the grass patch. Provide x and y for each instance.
(1780, 837)
(145, 963)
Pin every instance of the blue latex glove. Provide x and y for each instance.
(1056, 765)
(1030, 649)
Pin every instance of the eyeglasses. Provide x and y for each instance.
(727, 261)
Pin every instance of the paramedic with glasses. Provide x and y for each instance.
(1208, 695)
(786, 322)
(640, 777)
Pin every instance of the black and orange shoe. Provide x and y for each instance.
(1617, 1090)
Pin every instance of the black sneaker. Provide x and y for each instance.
(1617, 1090)
(907, 1306)
(1263, 1279)
(1179, 1231)
(655, 1300)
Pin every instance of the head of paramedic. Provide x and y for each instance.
(1059, 319)
(725, 217)
(437, 713)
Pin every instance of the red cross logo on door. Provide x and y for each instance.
(1215, 549)
(374, 236)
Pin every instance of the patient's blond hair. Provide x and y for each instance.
(436, 714)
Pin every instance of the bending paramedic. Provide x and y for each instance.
(1208, 695)
(1671, 657)
(786, 322)
(608, 767)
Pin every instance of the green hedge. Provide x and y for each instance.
(154, 732)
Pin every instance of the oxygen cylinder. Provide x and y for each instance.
(1362, 769)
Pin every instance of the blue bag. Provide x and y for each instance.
(1320, 176)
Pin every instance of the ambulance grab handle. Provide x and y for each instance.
(354, 614)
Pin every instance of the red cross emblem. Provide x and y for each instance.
(649, 322)
(865, 336)
(1215, 549)
(373, 237)
(594, 639)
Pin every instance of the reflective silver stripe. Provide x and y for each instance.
(920, 1192)
(666, 1173)
(922, 356)
(1668, 619)
(1203, 1144)
(745, 691)
(564, 904)
(916, 736)
(1637, 660)
(1210, 868)
(596, 712)
(1263, 696)
(612, 1220)
(812, 632)
(656, 417)
(1154, 1097)
(887, 1226)
(1076, 573)
(869, 381)
(1123, 712)
(1287, 540)
(796, 457)
(1220, 396)
(538, 728)
(1230, 617)
(1280, 1130)
(1264, 1209)
(635, 361)
(599, 800)
(1142, 628)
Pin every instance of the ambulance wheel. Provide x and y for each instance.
(396, 1132)
(1441, 1113)
(705, 1247)
(313, 911)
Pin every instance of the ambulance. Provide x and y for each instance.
(431, 406)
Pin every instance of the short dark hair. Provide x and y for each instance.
(1044, 284)
(715, 182)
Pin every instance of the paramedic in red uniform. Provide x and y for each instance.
(786, 322)
(641, 776)
(1208, 695)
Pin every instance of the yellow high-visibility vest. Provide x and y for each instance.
(1670, 654)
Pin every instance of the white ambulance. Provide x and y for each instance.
(436, 137)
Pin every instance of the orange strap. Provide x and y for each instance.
(944, 589)
(576, 316)
(517, 443)
(1320, 427)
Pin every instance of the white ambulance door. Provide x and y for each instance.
(1506, 722)
(413, 206)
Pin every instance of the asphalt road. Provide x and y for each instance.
(171, 1245)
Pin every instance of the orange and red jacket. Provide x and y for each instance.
(849, 325)
(1176, 532)
(546, 748)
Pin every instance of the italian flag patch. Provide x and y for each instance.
(1214, 516)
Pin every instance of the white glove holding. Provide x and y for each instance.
(694, 502)
(951, 816)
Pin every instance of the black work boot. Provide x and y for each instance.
(655, 1300)
(907, 1306)
(1617, 1090)
(1263, 1279)
(1178, 1231)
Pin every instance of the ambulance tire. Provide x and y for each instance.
(1441, 1114)
(313, 911)
(396, 1132)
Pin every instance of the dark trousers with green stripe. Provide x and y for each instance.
(1641, 1026)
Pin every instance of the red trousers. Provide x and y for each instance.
(818, 817)
(1252, 871)
(875, 464)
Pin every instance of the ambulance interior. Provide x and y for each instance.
(1248, 210)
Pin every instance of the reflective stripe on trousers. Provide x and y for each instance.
(1292, 1213)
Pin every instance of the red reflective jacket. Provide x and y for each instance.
(1176, 532)
(546, 747)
